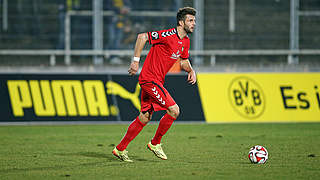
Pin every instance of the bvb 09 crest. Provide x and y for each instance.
(246, 97)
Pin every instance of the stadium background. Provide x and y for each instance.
(66, 99)
(256, 61)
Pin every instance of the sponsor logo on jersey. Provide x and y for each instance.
(175, 55)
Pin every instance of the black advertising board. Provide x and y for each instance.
(87, 97)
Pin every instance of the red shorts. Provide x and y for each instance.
(154, 97)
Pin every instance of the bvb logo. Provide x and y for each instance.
(246, 97)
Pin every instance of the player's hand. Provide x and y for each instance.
(192, 78)
(133, 69)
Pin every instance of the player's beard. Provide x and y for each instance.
(187, 29)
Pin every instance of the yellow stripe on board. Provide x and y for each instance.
(260, 97)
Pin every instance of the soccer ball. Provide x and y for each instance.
(258, 154)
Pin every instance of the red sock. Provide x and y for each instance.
(133, 130)
(165, 123)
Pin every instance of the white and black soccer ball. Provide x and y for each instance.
(258, 154)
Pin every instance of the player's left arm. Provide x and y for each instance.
(186, 66)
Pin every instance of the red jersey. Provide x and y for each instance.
(166, 49)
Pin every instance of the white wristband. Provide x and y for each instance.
(137, 59)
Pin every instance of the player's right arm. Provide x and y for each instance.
(140, 42)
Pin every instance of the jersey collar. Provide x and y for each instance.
(177, 33)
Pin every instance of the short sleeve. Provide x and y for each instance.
(155, 37)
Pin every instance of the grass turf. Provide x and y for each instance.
(195, 151)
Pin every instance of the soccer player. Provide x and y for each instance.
(168, 46)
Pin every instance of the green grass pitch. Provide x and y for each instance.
(195, 151)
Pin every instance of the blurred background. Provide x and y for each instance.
(99, 35)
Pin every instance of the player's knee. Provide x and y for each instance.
(174, 111)
(145, 117)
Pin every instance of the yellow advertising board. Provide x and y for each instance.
(260, 97)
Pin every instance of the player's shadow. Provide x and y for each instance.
(109, 157)
(136, 158)
(97, 155)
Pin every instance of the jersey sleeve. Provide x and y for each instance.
(185, 51)
(155, 37)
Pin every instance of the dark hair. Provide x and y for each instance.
(182, 12)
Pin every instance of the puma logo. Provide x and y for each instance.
(116, 89)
